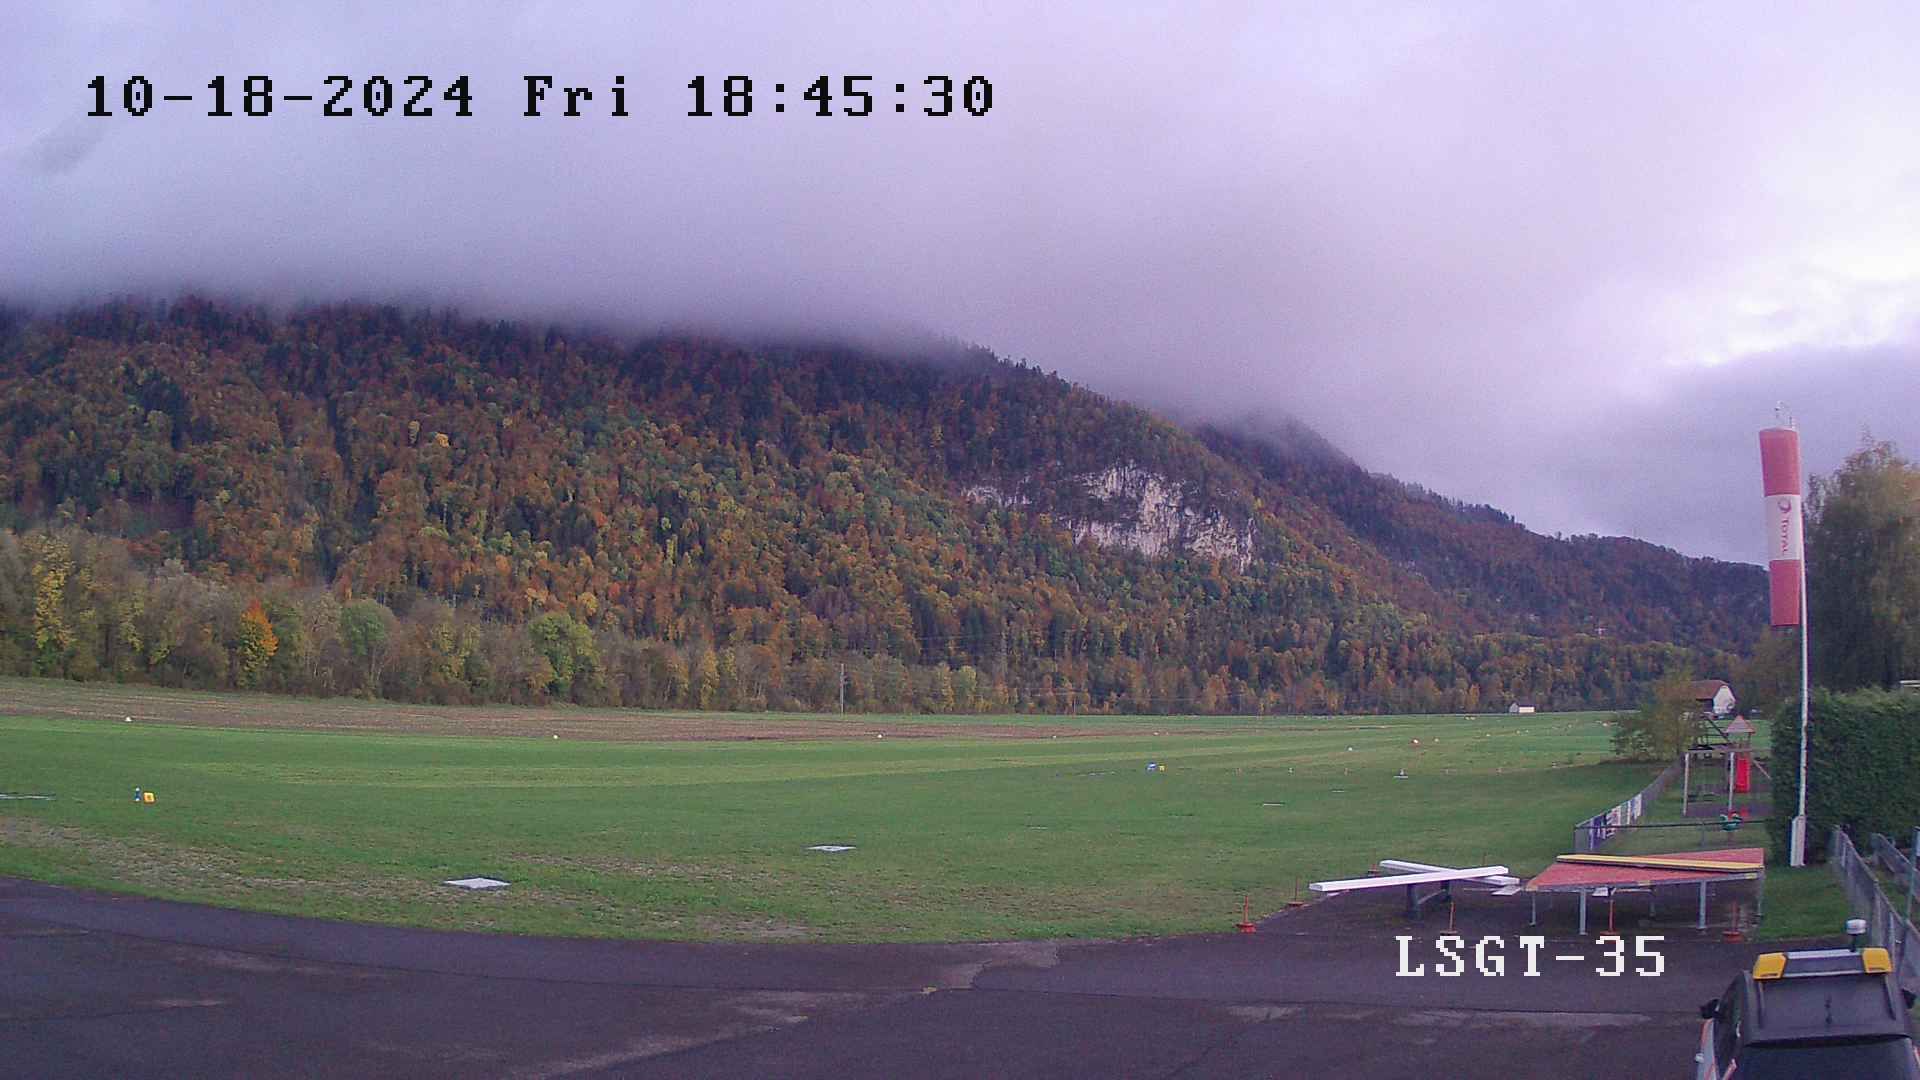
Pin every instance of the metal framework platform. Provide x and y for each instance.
(1649, 873)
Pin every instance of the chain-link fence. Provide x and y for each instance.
(1892, 860)
(1886, 919)
(1589, 835)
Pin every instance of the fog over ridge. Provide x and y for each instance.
(1558, 259)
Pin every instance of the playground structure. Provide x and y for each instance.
(1718, 793)
(1730, 745)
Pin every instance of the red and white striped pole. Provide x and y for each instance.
(1787, 581)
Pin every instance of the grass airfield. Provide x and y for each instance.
(960, 830)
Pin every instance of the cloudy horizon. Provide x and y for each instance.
(1559, 259)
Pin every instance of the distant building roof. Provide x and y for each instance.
(1740, 726)
(1705, 689)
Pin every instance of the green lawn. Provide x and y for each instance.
(1804, 903)
(957, 837)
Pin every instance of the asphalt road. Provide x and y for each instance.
(100, 985)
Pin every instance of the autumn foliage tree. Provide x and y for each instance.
(365, 628)
(1666, 725)
(255, 644)
(569, 651)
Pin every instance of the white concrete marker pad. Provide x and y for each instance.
(831, 848)
(477, 883)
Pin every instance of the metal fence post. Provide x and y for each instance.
(1913, 872)
(1887, 926)
(1584, 840)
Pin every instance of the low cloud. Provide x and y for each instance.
(1559, 259)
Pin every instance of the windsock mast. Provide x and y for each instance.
(1787, 574)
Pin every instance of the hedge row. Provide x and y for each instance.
(1864, 748)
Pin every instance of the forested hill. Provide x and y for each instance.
(1506, 575)
(362, 499)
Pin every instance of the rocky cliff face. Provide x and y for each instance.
(1141, 511)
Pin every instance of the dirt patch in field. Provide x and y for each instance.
(746, 928)
(153, 705)
(151, 865)
(199, 875)
(614, 866)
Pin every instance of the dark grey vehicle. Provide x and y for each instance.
(1818, 1013)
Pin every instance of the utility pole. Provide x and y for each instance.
(843, 686)
(1797, 836)
(1913, 872)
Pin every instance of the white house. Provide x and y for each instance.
(1714, 696)
(1518, 707)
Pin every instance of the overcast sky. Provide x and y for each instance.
(1560, 258)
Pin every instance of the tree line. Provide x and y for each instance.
(78, 605)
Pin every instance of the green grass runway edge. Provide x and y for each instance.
(955, 837)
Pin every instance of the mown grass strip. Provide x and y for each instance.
(955, 838)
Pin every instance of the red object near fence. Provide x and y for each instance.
(1742, 773)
